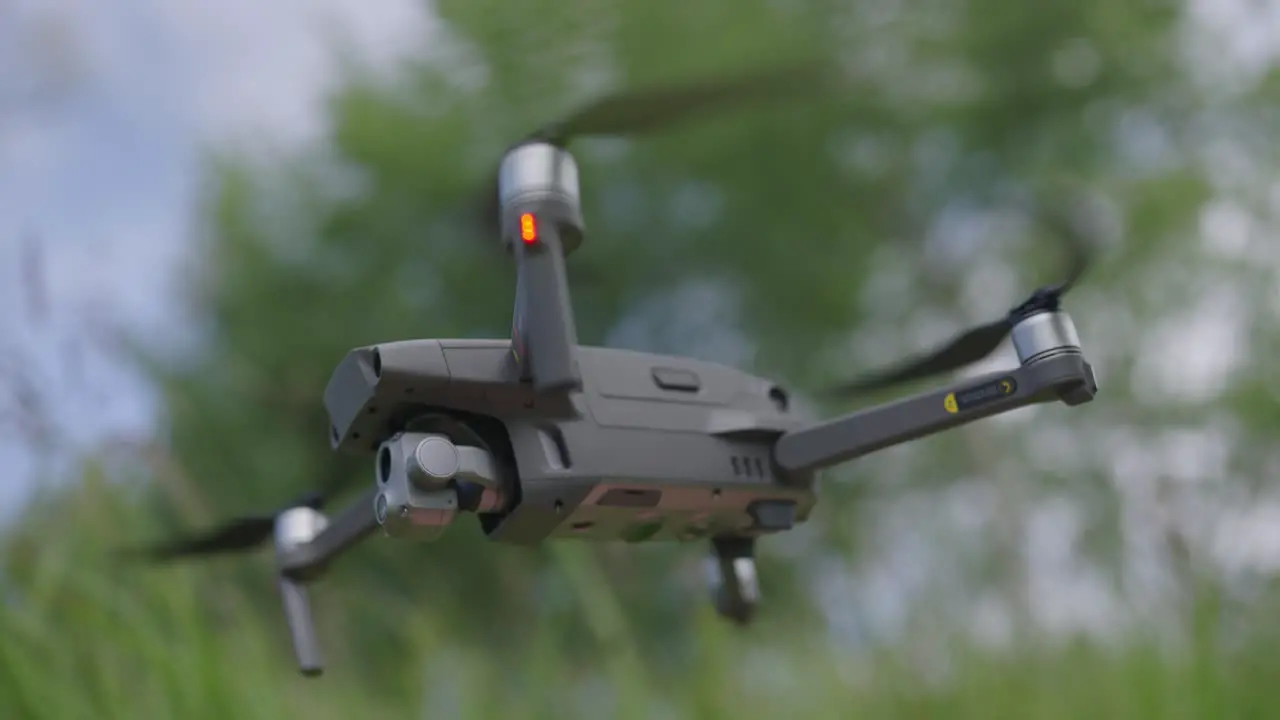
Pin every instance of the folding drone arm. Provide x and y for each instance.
(306, 560)
(306, 542)
(424, 481)
(1053, 369)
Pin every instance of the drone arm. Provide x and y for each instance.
(1067, 378)
(541, 218)
(306, 542)
(354, 523)
(544, 339)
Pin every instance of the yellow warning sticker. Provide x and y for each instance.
(950, 403)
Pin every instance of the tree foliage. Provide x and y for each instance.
(774, 238)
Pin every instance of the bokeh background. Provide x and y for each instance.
(203, 206)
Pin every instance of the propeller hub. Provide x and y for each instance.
(1042, 300)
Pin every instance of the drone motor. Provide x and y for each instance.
(537, 184)
(1043, 335)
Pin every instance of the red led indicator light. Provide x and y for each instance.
(528, 228)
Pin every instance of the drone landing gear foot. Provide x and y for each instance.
(297, 613)
(735, 588)
(294, 528)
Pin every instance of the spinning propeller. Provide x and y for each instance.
(979, 342)
(638, 112)
(237, 535)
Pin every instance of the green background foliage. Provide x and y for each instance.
(805, 240)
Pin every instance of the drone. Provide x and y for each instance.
(543, 439)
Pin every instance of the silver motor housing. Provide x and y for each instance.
(1043, 335)
(541, 178)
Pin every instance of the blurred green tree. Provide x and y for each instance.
(748, 238)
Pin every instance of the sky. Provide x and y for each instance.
(105, 109)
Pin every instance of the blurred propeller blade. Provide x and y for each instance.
(636, 112)
(977, 343)
(237, 535)
(968, 347)
(234, 536)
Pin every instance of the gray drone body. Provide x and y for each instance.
(543, 439)
(651, 448)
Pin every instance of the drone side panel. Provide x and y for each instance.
(646, 376)
(677, 394)
(582, 479)
(685, 486)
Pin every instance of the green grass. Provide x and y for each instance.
(84, 636)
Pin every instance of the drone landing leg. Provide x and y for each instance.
(297, 613)
(735, 588)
